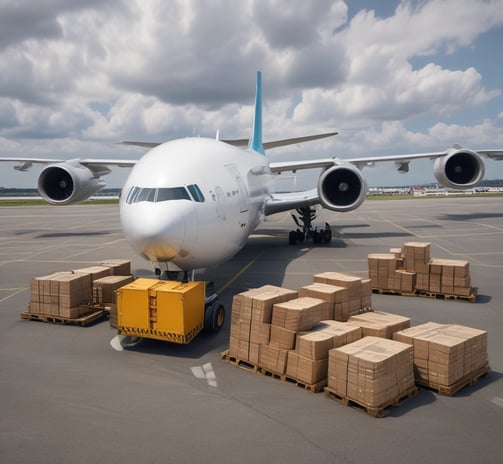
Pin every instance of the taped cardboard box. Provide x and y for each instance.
(96, 272)
(306, 370)
(371, 371)
(379, 323)
(282, 338)
(119, 267)
(104, 288)
(352, 283)
(272, 358)
(326, 335)
(335, 298)
(298, 314)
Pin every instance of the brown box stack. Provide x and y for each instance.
(309, 362)
(372, 371)
(417, 255)
(359, 292)
(445, 353)
(335, 300)
(450, 276)
(382, 268)
(379, 323)
(60, 294)
(104, 288)
(96, 272)
(119, 267)
(251, 319)
(297, 314)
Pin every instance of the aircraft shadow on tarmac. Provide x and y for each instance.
(469, 216)
(73, 234)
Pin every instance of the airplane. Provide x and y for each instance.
(192, 203)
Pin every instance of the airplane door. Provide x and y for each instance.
(242, 190)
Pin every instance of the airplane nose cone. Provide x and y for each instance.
(155, 232)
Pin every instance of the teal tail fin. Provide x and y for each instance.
(255, 143)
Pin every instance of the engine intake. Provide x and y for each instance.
(342, 188)
(67, 183)
(459, 169)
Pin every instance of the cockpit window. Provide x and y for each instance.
(155, 195)
(196, 193)
(173, 193)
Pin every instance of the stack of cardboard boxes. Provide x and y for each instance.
(251, 320)
(344, 295)
(279, 330)
(414, 269)
(308, 363)
(374, 372)
(379, 323)
(445, 353)
(69, 294)
(60, 294)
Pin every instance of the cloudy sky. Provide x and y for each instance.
(392, 77)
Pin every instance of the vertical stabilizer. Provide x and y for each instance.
(255, 143)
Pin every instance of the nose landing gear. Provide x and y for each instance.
(305, 229)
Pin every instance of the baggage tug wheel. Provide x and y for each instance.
(214, 317)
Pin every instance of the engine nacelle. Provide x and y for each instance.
(459, 169)
(342, 188)
(67, 183)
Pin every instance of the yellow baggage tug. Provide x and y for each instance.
(167, 310)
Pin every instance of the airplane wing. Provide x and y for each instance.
(93, 164)
(279, 202)
(400, 160)
(343, 187)
(244, 142)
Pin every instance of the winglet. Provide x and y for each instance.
(255, 143)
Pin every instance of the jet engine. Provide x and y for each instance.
(342, 188)
(67, 183)
(459, 169)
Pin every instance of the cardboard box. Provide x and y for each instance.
(272, 358)
(119, 267)
(336, 299)
(306, 370)
(379, 323)
(104, 288)
(282, 338)
(298, 314)
(371, 371)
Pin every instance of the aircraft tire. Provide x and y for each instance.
(292, 238)
(214, 317)
(327, 236)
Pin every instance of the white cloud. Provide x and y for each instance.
(81, 74)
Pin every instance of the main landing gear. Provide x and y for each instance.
(305, 229)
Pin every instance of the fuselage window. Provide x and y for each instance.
(196, 193)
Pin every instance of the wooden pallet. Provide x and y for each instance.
(255, 369)
(381, 411)
(451, 390)
(422, 293)
(313, 388)
(82, 321)
(245, 365)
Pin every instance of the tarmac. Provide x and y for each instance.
(67, 396)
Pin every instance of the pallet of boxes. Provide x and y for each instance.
(296, 337)
(412, 271)
(80, 296)
(447, 357)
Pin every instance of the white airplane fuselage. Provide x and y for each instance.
(193, 202)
